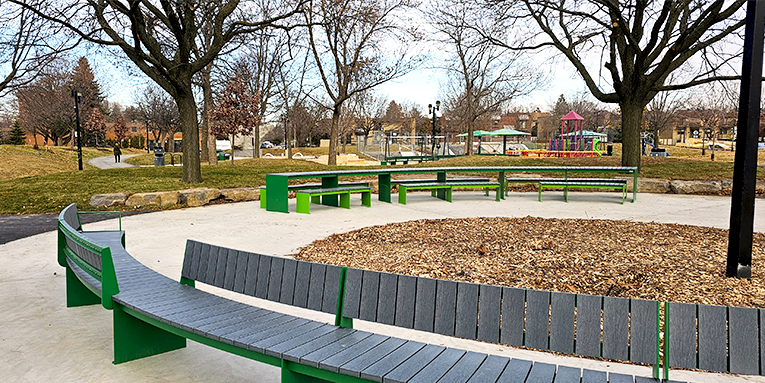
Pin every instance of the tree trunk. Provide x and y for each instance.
(333, 131)
(187, 108)
(208, 141)
(233, 137)
(632, 115)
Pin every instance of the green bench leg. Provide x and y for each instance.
(303, 203)
(135, 339)
(540, 193)
(402, 194)
(366, 199)
(486, 191)
(565, 193)
(345, 200)
(262, 198)
(449, 194)
(624, 194)
(316, 199)
(77, 294)
(499, 193)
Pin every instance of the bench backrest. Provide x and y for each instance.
(90, 257)
(298, 283)
(562, 322)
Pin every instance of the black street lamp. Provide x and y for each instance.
(77, 95)
(287, 149)
(434, 113)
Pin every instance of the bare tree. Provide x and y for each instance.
(484, 77)
(45, 106)
(640, 43)
(351, 44)
(660, 114)
(162, 41)
(159, 113)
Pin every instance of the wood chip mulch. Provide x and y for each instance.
(665, 262)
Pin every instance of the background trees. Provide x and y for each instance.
(642, 43)
(236, 112)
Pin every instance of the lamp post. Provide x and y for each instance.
(147, 136)
(434, 113)
(77, 95)
(287, 150)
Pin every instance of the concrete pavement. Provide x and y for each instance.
(107, 162)
(42, 340)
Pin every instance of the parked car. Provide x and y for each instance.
(266, 145)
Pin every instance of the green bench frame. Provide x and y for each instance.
(584, 185)
(306, 197)
(447, 186)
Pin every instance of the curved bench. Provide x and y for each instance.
(155, 314)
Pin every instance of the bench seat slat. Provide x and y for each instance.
(306, 348)
(439, 367)
(354, 366)
(490, 369)
(568, 375)
(277, 334)
(620, 378)
(277, 349)
(313, 359)
(377, 370)
(591, 376)
(515, 369)
(334, 362)
(414, 364)
(261, 323)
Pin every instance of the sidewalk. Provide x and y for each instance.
(42, 340)
(107, 162)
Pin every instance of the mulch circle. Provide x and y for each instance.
(665, 262)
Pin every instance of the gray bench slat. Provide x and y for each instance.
(440, 366)
(424, 180)
(405, 296)
(278, 349)
(198, 325)
(489, 307)
(352, 301)
(187, 307)
(620, 378)
(643, 332)
(451, 184)
(204, 257)
(288, 326)
(296, 353)
(264, 269)
(316, 286)
(590, 376)
(188, 260)
(275, 338)
(682, 335)
(275, 279)
(562, 322)
(616, 328)
(230, 275)
(334, 362)
(215, 330)
(356, 365)
(288, 281)
(425, 304)
(378, 369)
(201, 316)
(490, 369)
(541, 373)
(466, 321)
(369, 291)
(743, 340)
(588, 317)
(414, 364)
(224, 333)
(537, 319)
(250, 284)
(337, 189)
(513, 312)
(240, 277)
(220, 267)
(568, 375)
(446, 299)
(313, 359)
(301, 284)
(264, 322)
(317, 185)
(212, 264)
(516, 371)
(331, 289)
(386, 302)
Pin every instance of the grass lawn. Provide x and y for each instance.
(46, 180)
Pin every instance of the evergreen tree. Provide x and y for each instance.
(83, 79)
(17, 135)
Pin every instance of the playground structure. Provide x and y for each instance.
(573, 141)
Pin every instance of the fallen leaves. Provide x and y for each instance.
(666, 262)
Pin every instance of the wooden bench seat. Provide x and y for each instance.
(263, 195)
(567, 184)
(448, 186)
(306, 197)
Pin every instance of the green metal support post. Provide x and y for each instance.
(328, 182)
(278, 194)
(383, 188)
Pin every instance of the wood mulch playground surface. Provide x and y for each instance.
(665, 262)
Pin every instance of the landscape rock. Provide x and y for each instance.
(111, 199)
(198, 196)
(651, 185)
(241, 194)
(695, 187)
(163, 199)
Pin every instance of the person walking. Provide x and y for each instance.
(117, 153)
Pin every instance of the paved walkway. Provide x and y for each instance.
(41, 340)
(107, 162)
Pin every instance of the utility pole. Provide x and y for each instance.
(77, 95)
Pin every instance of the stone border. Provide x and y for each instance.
(203, 196)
